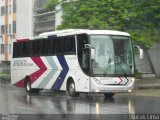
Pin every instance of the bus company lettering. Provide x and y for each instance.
(22, 63)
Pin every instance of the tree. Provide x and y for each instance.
(141, 18)
(52, 4)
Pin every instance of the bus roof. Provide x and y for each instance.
(84, 31)
(74, 32)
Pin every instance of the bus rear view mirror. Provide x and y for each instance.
(140, 51)
(87, 46)
(92, 51)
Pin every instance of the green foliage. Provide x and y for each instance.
(51, 4)
(138, 75)
(141, 18)
(5, 77)
(5, 74)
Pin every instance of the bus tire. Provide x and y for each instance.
(108, 95)
(72, 89)
(28, 85)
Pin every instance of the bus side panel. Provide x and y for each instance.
(80, 79)
(42, 71)
(20, 68)
(50, 72)
(49, 77)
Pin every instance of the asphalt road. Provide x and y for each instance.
(16, 103)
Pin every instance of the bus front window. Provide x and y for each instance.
(113, 55)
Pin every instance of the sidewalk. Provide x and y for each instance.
(147, 83)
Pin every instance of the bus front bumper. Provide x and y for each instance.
(96, 88)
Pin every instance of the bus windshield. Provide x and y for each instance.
(113, 55)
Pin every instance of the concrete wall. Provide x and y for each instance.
(150, 64)
(143, 65)
(154, 54)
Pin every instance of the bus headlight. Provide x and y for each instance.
(129, 91)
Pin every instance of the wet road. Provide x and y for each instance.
(15, 100)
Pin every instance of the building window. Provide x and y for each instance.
(10, 9)
(2, 48)
(2, 10)
(6, 30)
(9, 31)
(14, 26)
(2, 29)
(9, 49)
(14, 6)
(7, 10)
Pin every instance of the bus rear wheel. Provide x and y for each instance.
(72, 90)
(28, 86)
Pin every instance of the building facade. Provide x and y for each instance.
(20, 19)
(7, 23)
(44, 20)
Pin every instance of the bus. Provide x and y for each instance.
(76, 61)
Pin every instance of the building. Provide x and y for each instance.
(44, 20)
(7, 23)
(22, 18)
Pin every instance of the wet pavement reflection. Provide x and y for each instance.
(15, 100)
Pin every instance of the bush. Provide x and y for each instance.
(5, 77)
(5, 74)
(138, 75)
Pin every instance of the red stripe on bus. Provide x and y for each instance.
(20, 83)
(22, 40)
(34, 76)
(41, 65)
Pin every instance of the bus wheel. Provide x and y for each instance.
(72, 90)
(108, 95)
(28, 86)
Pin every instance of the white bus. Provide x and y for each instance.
(76, 61)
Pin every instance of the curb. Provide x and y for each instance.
(145, 87)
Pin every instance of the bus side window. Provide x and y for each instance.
(85, 58)
(83, 53)
(59, 44)
(15, 49)
(25, 49)
(19, 49)
(35, 47)
(44, 47)
(68, 45)
(72, 48)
